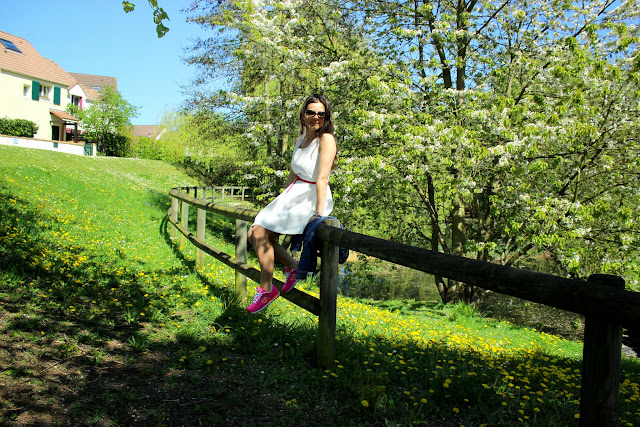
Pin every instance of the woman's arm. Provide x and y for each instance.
(327, 154)
(290, 178)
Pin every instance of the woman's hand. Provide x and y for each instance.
(313, 218)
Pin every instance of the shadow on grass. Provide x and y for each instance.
(75, 349)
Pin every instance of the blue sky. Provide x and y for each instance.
(98, 37)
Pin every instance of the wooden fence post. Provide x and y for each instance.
(328, 302)
(175, 205)
(601, 363)
(184, 221)
(241, 255)
(201, 222)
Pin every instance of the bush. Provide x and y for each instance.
(110, 144)
(17, 127)
(148, 148)
(115, 144)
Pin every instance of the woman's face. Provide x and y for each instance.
(314, 116)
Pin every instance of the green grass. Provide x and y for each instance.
(104, 320)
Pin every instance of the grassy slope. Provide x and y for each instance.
(104, 320)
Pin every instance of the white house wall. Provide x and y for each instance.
(79, 92)
(68, 147)
(14, 104)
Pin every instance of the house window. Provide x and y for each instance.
(9, 45)
(96, 88)
(26, 91)
(77, 101)
(45, 91)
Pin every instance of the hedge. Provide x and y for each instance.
(17, 127)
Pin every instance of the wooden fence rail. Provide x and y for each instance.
(230, 193)
(602, 299)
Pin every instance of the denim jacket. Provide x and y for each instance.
(311, 248)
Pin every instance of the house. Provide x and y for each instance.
(36, 88)
(149, 131)
(33, 88)
(95, 83)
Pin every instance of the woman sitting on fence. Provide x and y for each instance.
(306, 196)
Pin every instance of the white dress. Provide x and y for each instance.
(290, 212)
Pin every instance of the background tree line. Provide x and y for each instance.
(505, 131)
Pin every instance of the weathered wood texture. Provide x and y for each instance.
(229, 211)
(175, 203)
(328, 302)
(601, 360)
(568, 294)
(241, 256)
(201, 223)
(184, 218)
(228, 192)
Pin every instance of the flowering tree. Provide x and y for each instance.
(270, 52)
(505, 131)
(106, 121)
(518, 111)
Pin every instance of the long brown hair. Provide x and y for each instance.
(327, 126)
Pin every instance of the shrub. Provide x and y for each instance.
(115, 144)
(110, 144)
(17, 127)
(148, 148)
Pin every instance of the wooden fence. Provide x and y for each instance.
(220, 194)
(602, 299)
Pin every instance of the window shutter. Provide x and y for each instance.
(56, 95)
(35, 90)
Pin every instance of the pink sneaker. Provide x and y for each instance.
(290, 281)
(263, 299)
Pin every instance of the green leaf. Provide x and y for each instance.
(128, 6)
(161, 30)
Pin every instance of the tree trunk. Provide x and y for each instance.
(435, 231)
(457, 290)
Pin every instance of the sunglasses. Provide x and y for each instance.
(311, 113)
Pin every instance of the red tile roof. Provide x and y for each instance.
(89, 81)
(28, 62)
(91, 94)
(64, 116)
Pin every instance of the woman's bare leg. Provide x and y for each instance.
(261, 241)
(268, 249)
(284, 256)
